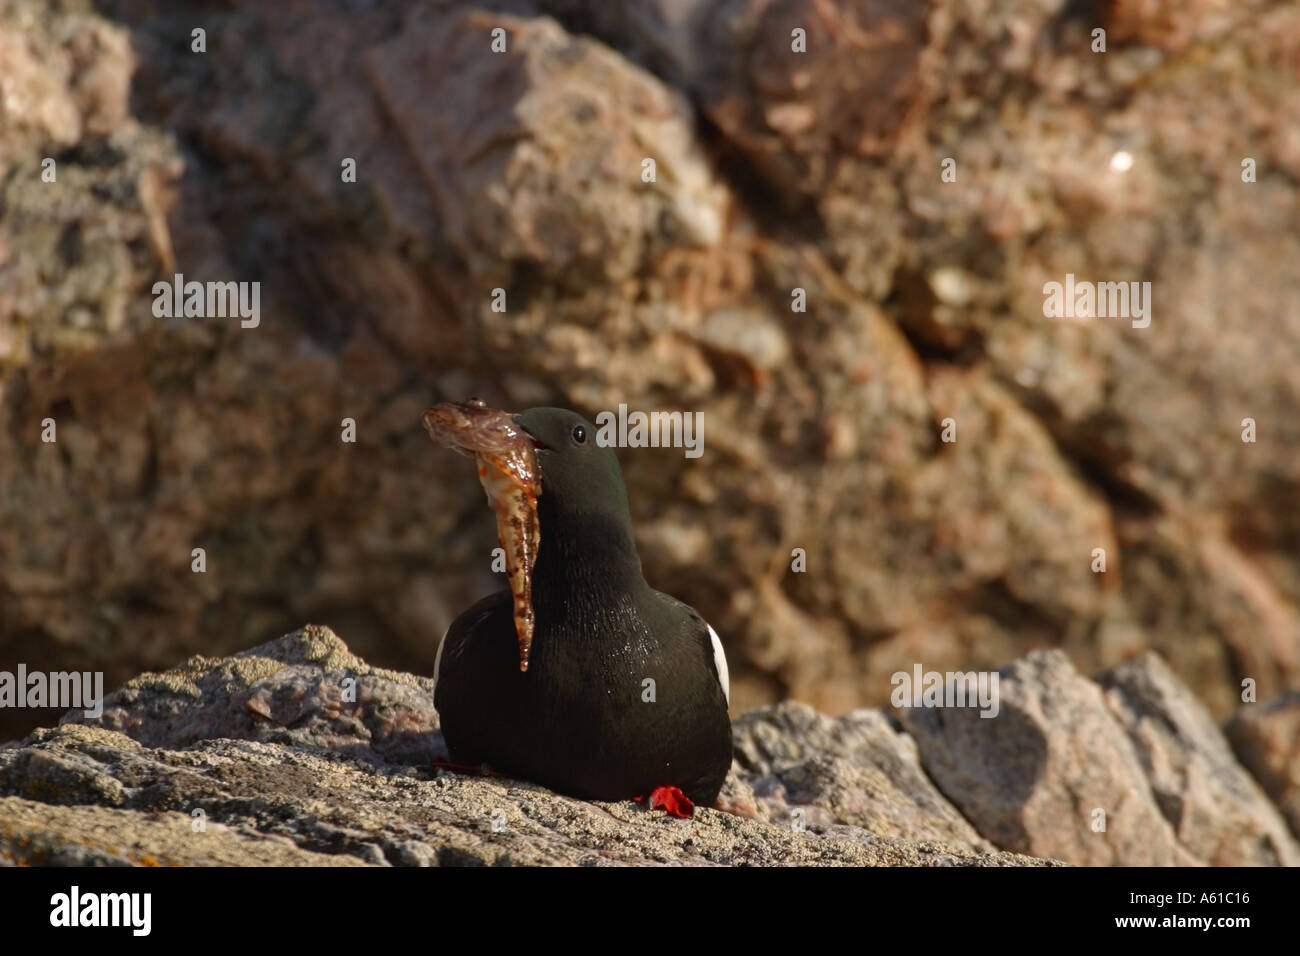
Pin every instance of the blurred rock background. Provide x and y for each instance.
(775, 171)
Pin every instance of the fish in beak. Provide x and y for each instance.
(508, 471)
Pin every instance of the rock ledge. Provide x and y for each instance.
(297, 752)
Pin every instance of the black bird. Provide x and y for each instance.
(626, 692)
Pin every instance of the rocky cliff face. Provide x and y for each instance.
(299, 753)
(523, 171)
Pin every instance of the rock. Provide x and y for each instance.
(60, 91)
(305, 688)
(314, 777)
(784, 180)
(1266, 739)
(1218, 813)
(790, 102)
(83, 184)
(299, 803)
(37, 834)
(1175, 26)
(860, 769)
(299, 752)
(554, 179)
(1139, 748)
(1038, 777)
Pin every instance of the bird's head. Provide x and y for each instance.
(581, 478)
(586, 525)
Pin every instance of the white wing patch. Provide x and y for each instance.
(719, 662)
(437, 661)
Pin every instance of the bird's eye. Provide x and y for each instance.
(579, 434)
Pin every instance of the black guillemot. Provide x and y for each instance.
(626, 691)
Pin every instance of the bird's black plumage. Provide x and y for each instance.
(584, 719)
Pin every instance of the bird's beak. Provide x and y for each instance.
(537, 444)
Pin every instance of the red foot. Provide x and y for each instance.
(670, 800)
(469, 769)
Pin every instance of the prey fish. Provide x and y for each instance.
(507, 470)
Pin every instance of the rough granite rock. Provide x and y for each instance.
(777, 171)
(1034, 777)
(306, 772)
(39, 834)
(1266, 738)
(792, 115)
(298, 752)
(500, 195)
(297, 689)
(360, 808)
(1217, 811)
(1139, 747)
(860, 769)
